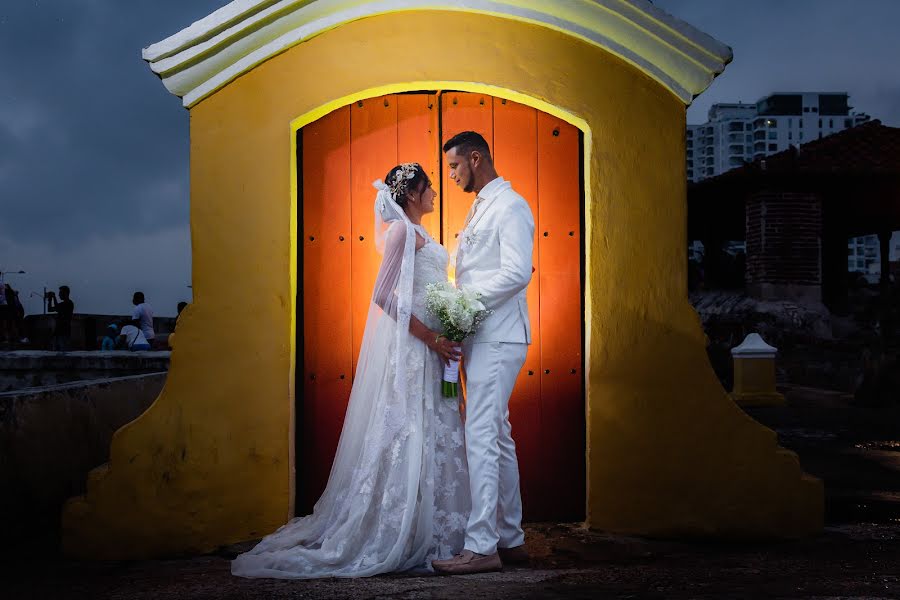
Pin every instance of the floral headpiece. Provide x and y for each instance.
(399, 183)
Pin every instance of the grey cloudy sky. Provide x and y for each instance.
(94, 151)
(802, 45)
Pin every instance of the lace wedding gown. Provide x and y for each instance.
(398, 493)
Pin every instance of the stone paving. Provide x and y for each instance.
(850, 561)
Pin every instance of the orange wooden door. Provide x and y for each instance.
(342, 154)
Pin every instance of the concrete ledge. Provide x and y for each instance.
(757, 399)
(32, 369)
(50, 438)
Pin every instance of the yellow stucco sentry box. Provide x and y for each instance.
(668, 453)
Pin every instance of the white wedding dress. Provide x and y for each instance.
(398, 493)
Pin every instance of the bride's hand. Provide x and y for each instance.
(446, 349)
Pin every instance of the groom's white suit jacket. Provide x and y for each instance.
(494, 259)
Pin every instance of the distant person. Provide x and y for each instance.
(142, 316)
(18, 314)
(6, 335)
(12, 315)
(132, 338)
(109, 340)
(64, 309)
(181, 307)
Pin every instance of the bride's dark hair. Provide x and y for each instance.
(400, 184)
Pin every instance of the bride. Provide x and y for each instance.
(397, 496)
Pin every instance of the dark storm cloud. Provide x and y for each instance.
(802, 45)
(89, 138)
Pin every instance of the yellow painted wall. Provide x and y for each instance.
(668, 452)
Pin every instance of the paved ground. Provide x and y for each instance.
(858, 561)
(855, 450)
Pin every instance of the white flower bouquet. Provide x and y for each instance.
(460, 313)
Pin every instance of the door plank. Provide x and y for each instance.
(327, 353)
(373, 151)
(417, 141)
(562, 395)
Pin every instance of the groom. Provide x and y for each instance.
(494, 259)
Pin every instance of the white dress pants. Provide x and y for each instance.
(491, 369)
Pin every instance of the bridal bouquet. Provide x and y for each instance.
(460, 313)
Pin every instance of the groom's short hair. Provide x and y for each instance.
(468, 141)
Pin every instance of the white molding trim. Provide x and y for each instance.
(217, 49)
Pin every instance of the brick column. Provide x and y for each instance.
(784, 246)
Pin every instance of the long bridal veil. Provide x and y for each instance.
(372, 517)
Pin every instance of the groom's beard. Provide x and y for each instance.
(470, 184)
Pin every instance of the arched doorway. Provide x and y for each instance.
(338, 157)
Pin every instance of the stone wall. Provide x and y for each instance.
(815, 348)
(87, 329)
(49, 439)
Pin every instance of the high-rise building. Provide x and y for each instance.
(723, 143)
(740, 132)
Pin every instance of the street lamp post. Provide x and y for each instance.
(4, 273)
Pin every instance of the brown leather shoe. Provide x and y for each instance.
(514, 556)
(468, 562)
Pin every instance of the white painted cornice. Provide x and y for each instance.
(215, 50)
